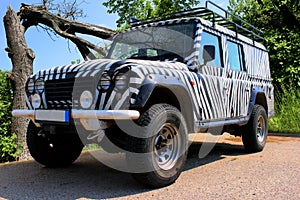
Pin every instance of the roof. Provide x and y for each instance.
(229, 23)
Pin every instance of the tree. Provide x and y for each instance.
(145, 9)
(280, 20)
(22, 59)
(39, 15)
(62, 23)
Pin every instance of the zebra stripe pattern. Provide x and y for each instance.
(216, 93)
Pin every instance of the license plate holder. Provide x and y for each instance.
(52, 115)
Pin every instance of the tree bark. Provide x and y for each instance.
(22, 58)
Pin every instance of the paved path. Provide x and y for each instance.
(226, 173)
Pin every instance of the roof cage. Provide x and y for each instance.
(229, 20)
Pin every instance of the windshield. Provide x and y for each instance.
(155, 43)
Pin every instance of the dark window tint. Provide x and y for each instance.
(210, 39)
(235, 56)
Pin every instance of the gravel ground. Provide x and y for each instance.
(228, 172)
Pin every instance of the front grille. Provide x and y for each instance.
(64, 93)
(59, 93)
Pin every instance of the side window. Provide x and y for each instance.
(235, 56)
(212, 40)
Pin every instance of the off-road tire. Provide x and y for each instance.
(114, 140)
(254, 134)
(58, 151)
(159, 154)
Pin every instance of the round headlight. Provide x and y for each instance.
(104, 82)
(86, 99)
(39, 86)
(35, 101)
(121, 81)
(30, 86)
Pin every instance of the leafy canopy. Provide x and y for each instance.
(145, 9)
(280, 20)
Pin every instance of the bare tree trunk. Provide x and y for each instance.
(22, 59)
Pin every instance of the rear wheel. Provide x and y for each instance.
(160, 152)
(57, 150)
(255, 132)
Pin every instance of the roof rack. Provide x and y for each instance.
(229, 20)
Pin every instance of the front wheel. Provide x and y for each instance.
(255, 133)
(57, 150)
(159, 153)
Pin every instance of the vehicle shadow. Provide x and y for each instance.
(219, 151)
(87, 177)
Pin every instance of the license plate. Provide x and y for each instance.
(52, 115)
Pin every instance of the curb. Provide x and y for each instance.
(296, 135)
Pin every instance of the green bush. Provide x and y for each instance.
(287, 112)
(7, 140)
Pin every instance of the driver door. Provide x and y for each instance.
(212, 78)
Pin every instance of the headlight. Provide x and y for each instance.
(104, 82)
(39, 86)
(121, 81)
(86, 99)
(35, 101)
(30, 86)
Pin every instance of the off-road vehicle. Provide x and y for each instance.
(162, 79)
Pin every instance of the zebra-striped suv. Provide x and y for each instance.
(194, 71)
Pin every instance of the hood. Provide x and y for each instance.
(62, 87)
(93, 68)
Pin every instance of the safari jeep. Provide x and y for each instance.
(191, 72)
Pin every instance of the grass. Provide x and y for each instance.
(287, 112)
(91, 147)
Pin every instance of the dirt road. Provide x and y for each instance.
(228, 172)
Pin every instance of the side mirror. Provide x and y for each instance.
(208, 53)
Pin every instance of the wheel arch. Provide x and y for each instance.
(173, 94)
(258, 97)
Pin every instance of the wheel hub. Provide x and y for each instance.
(260, 132)
(167, 146)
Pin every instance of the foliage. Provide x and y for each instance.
(77, 61)
(7, 140)
(8, 148)
(287, 108)
(5, 103)
(145, 9)
(280, 21)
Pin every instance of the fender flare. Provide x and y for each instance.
(257, 96)
(177, 87)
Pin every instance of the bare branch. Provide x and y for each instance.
(34, 15)
(39, 14)
(50, 32)
(74, 38)
(67, 9)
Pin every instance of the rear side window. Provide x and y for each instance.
(210, 39)
(235, 56)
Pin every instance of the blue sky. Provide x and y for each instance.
(49, 53)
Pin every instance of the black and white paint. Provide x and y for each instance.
(217, 93)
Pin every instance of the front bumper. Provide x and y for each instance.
(65, 115)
